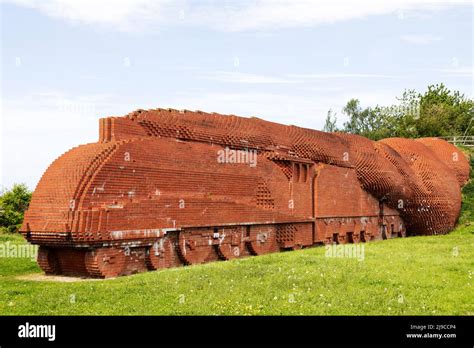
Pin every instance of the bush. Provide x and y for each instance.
(13, 204)
(467, 206)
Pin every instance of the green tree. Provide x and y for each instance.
(330, 123)
(405, 115)
(444, 112)
(13, 204)
(437, 112)
(373, 123)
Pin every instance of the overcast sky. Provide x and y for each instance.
(66, 63)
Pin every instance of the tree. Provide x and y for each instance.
(405, 115)
(437, 112)
(13, 204)
(444, 113)
(373, 123)
(330, 124)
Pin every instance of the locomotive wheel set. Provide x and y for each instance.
(164, 188)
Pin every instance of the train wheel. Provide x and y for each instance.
(105, 262)
(328, 241)
(161, 254)
(231, 245)
(48, 261)
(356, 238)
(364, 237)
(196, 246)
(262, 240)
(342, 239)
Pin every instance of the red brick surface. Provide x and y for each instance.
(152, 193)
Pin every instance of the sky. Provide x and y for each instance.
(64, 63)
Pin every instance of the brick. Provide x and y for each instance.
(151, 193)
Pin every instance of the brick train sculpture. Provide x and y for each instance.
(164, 188)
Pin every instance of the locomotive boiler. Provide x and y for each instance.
(163, 188)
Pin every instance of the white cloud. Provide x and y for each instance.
(128, 15)
(421, 39)
(344, 76)
(240, 77)
(459, 71)
(235, 15)
(267, 14)
(247, 78)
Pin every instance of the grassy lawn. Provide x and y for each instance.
(418, 275)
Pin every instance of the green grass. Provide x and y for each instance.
(413, 276)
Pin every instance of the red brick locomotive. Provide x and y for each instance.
(163, 188)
